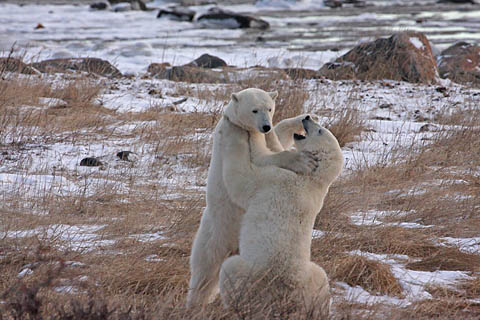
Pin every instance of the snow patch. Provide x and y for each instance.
(417, 43)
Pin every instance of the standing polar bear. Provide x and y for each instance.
(273, 268)
(218, 234)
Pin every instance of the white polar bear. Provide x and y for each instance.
(218, 234)
(274, 267)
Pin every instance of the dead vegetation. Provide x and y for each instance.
(432, 182)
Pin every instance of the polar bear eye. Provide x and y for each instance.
(320, 132)
(255, 111)
(270, 110)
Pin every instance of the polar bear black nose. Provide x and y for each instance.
(266, 128)
(307, 118)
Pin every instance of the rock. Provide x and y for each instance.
(218, 18)
(460, 63)
(301, 73)
(99, 6)
(188, 74)
(333, 3)
(90, 65)
(155, 68)
(207, 61)
(177, 14)
(90, 162)
(224, 75)
(123, 155)
(406, 56)
(10, 64)
(340, 3)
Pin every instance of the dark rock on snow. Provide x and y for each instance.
(340, 3)
(460, 63)
(90, 162)
(90, 65)
(123, 155)
(207, 61)
(406, 56)
(99, 6)
(177, 13)
(218, 18)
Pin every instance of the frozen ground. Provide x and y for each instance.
(391, 111)
(306, 34)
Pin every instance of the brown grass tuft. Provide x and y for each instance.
(346, 125)
(375, 277)
(447, 259)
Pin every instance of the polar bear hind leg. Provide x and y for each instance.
(210, 249)
(236, 277)
(317, 291)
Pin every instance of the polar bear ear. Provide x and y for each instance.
(235, 97)
(273, 95)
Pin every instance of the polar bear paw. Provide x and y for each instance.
(302, 163)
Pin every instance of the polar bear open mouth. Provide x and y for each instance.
(297, 136)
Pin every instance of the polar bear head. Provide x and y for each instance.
(252, 109)
(320, 142)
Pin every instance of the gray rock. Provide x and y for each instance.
(405, 56)
(218, 18)
(90, 162)
(177, 14)
(207, 61)
(89, 65)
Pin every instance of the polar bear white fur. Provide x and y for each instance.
(218, 234)
(274, 267)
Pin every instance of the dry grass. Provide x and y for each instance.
(346, 125)
(21, 121)
(375, 277)
(163, 194)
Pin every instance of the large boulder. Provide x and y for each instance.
(10, 64)
(460, 63)
(223, 19)
(406, 56)
(185, 74)
(177, 14)
(89, 65)
(225, 75)
(208, 61)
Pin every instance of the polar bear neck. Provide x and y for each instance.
(329, 167)
(258, 145)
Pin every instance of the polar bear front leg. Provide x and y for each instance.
(239, 176)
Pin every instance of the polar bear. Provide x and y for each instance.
(274, 267)
(217, 237)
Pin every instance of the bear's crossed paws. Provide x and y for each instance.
(302, 163)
